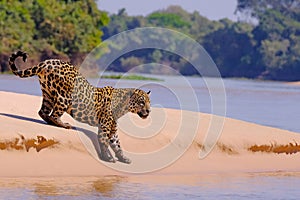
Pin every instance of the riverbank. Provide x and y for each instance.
(31, 148)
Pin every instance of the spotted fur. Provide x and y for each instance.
(64, 89)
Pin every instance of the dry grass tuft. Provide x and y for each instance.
(226, 149)
(220, 146)
(22, 143)
(290, 148)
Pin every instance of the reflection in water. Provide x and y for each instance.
(107, 186)
(243, 186)
(40, 188)
(45, 189)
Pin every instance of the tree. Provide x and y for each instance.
(277, 35)
(201, 26)
(167, 20)
(16, 24)
(256, 7)
(55, 28)
(122, 22)
(277, 39)
(73, 27)
(232, 49)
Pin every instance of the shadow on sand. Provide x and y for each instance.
(24, 118)
(90, 134)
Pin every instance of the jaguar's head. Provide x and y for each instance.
(140, 103)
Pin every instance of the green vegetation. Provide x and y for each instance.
(65, 29)
(167, 20)
(264, 43)
(131, 77)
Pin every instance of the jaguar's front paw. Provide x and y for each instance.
(122, 158)
(105, 155)
(107, 158)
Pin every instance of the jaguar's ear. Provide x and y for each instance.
(149, 93)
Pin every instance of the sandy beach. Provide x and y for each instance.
(31, 148)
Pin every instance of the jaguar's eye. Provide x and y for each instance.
(142, 104)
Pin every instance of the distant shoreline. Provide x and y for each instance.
(297, 83)
(134, 76)
(130, 77)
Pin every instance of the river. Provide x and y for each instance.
(272, 104)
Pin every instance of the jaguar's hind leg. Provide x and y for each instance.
(59, 108)
(46, 109)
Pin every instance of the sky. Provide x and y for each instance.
(212, 9)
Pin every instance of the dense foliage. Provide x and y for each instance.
(267, 46)
(264, 43)
(49, 28)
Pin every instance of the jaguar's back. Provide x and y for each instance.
(58, 80)
(64, 89)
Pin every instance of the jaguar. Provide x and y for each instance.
(66, 90)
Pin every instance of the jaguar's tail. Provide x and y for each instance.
(21, 73)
